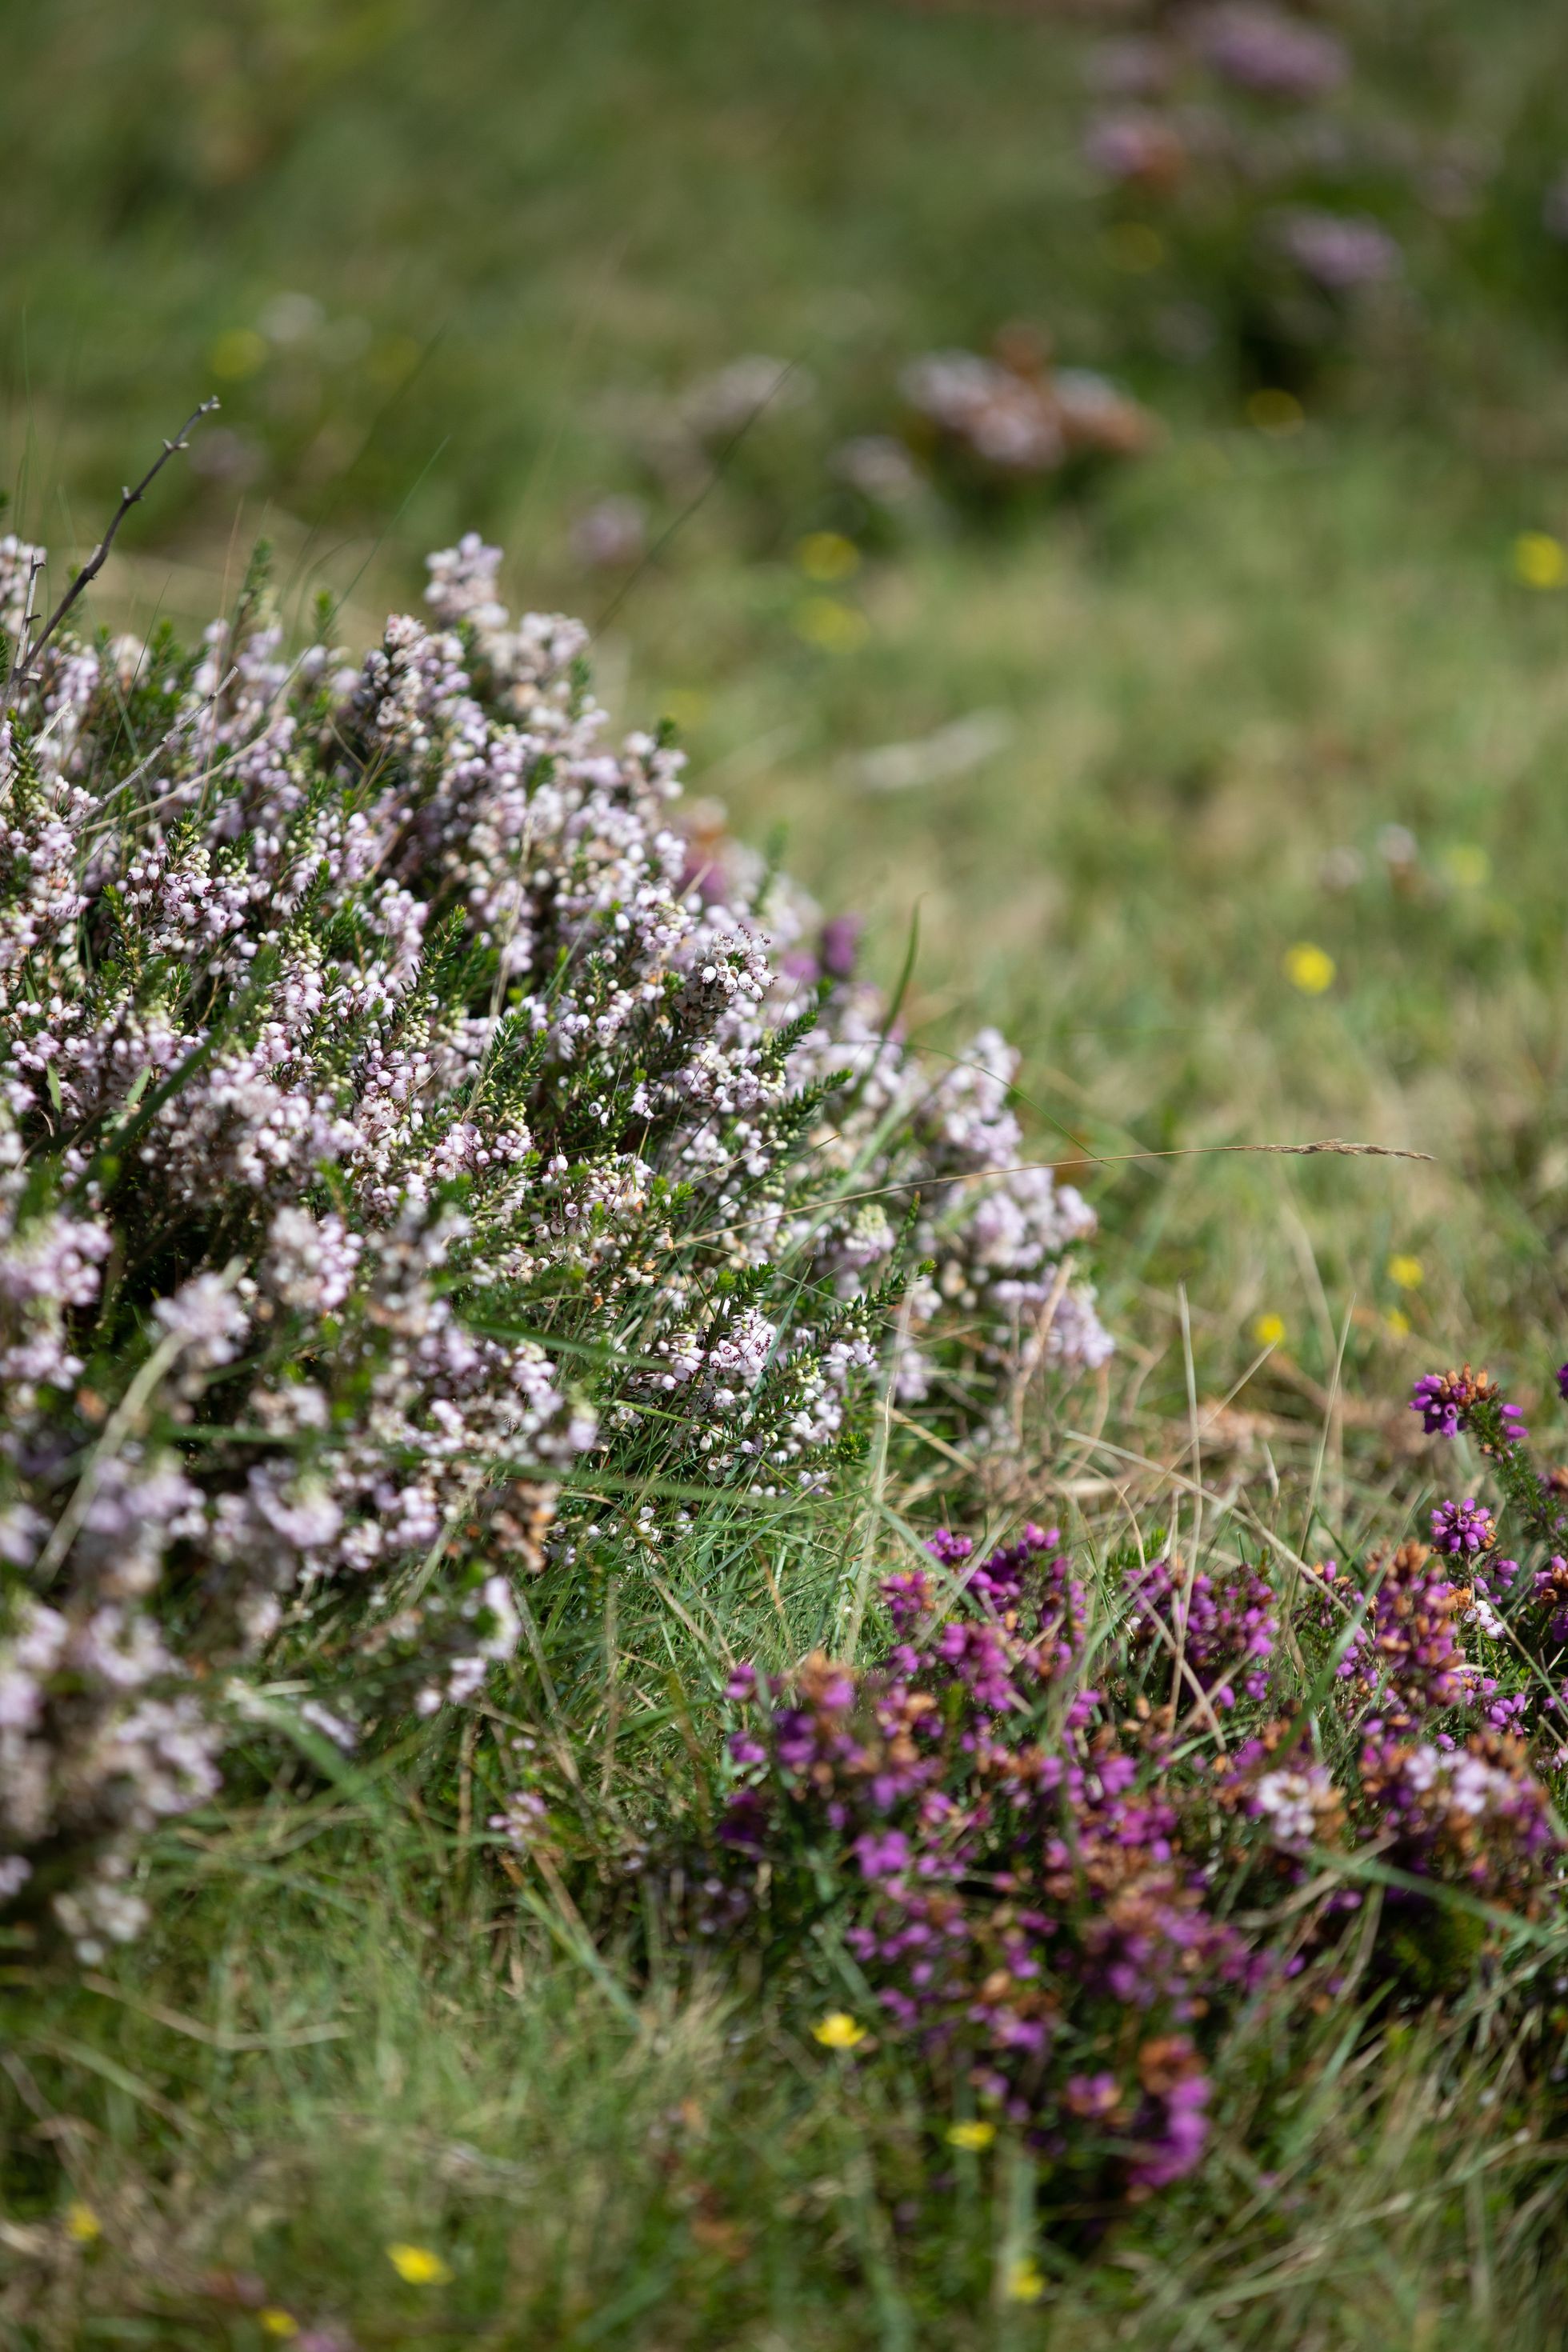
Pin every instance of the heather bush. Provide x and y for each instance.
(399, 1112)
(1013, 421)
(1244, 136)
(1083, 1819)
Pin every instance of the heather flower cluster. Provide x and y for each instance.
(1023, 1905)
(1225, 121)
(1223, 1631)
(1015, 418)
(1451, 1402)
(391, 1120)
(1061, 1812)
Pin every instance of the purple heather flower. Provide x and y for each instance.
(1437, 1408)
(610, 533)
(1185, 2136)
(882, 1853)
(907, 1593)
(1446, 1403)
(1261, 50)
(1133, 146)
(840, 944)
(1341, 251)
(1463, 1529)
(1562, 1382)
(1091, 2094)
(1228, 1627)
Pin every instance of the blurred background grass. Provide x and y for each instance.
(1278, 682)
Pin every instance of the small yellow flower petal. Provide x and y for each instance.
(281, 2324)
(82, 2223)
(238, 353)
(1310, 969)
(827, 555)
(837, 2030)
(1539, 559)
(835, 627)
(1396, 1324)
(1269, 1331)
(1023, 2283)
(1405, 1273)
(419, 2266)
(1467, 866)
(975, 2135)
(1275, 412)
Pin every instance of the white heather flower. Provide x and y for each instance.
(205, 1319)
(425, 1008)
(1290, 1802)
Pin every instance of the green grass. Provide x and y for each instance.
(523, 225)
(346, 2060)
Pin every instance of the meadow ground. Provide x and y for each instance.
(1262, 692)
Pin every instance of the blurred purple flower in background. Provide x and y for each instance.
(1262, 49)
(1341, 251)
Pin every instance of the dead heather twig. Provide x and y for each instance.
(31, 647)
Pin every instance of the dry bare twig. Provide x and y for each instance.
(28, 655)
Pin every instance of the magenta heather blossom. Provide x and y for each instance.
(1225, 1632)
(1016, 1880)
(1135, 146)
(1441, 1409)
(1464, 1529)
(1454, 1400)
(1031, 1862)
(1262, 49)
(1340, 251)
(1475, 1814)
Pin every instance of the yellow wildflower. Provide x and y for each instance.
(238, 353)
(419, 2266)
(973, 2135)
(1310, 969)
(827, 555)
(1023, 2282)
(837, 2030)
(1275, 412)
(836, 627)
(281, 2324)
(1405, 1272)
(1467, 866)
(1396, 1324)
(1269, 1331)
(1539, 559)
(82, 2223)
